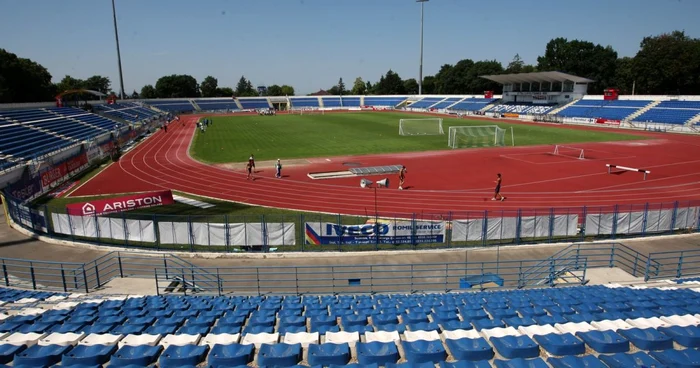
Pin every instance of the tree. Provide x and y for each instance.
(341, 87)
(23, 80)
(410, 86)
(274, 90)
(516, 65)
(389, 84)
(177, 86)
(135, 95)
(69, 83)
(208, 86)
(97, 83)
(287, 90)
(581, 58)
(224, 92)
(668, 64)
(334, 90)
(624, 75)
(359, 87)
(369, 88)
(429, 85)
(148, 92)
(476, 84)
(244, 88)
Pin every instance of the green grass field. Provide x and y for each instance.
(234, 138)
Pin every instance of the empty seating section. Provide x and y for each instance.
(472, 104)
(23, 142)
(351, 101)
(215, 105)
(521, 108)
(254, 103)
(304, 102)
(331, 102)
(425, 102)
(383, 101)
(128, 111)
(25, 134)
(592, 326)
(671, 112)
(446, 103)
(601, 109)
(172, 105)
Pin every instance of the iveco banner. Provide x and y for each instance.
(120, 204)
(384, 232)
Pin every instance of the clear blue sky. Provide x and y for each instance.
(309, 44)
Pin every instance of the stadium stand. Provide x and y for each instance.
(472, 104)
(25, 134)
(127, 111)
(521, 108)
(446, 103)
(383, 101)
(173, 106)
(592, 326)
(671, 112)
(614, 110)
(254, 103)
(331, 101)
(350, 101)
(304, 102)
(426, 102)
(217, 104)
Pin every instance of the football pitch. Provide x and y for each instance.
(234, 138)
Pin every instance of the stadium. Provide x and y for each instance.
(529, 216)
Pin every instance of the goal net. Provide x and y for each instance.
(306, 111)
(428, 126)
(568, 151)
(476, 136)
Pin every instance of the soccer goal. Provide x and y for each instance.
(312, 112)
(428, 126)
(476, 136)
(568, 151)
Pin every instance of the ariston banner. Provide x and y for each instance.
(121, 204)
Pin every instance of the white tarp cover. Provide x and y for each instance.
(104, 227)
(658, 220)
(251, 234)
(506, 227)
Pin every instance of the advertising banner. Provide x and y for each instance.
(27, 187)
(54, 174)
(121, 204)
(77, 163)
(383, 232)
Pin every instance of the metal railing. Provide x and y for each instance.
(674, 264)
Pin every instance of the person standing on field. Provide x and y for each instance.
(278, 167)
(251, 162)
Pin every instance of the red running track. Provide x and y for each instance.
(438, 182)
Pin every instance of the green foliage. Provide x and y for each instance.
(359, 87)
(668, 64)
(232, 139)
(410, 86)
(287, 90)
(23, 80)
(224, 92)
(274, 90)
(148, 92)
(135, 95)
(389, 84)
(244, 88)
(97, 83)
(177, 86)
(209, 86)
(581, 58)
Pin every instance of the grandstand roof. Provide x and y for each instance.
(536, 77)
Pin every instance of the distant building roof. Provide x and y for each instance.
(320, 93)
(536, 77)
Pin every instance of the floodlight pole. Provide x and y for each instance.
(119, 57)
(420, 68)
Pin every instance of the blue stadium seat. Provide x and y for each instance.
(8, 352)
(183, 356)
(470, 349)
(520, 363)
(688, 336)
(512, 347)
(41, 356)
(521, 108)
(425, 102)
(217, 104)
(586, 361)
(172, 105)
(383, 101)
(230, 355)
(625, 360)
(472, 104)
(561, 344)
(350, 101)
(141, 355)
(687, 358)
(380, 353)
(647, 338)
(446, 103)
(304, 102)
(327, 354)
(605, 342)
(424, 351)
(88, 355)
(279, 355)
(254, 103)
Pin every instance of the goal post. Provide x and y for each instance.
(427, 126)
(476, 136)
